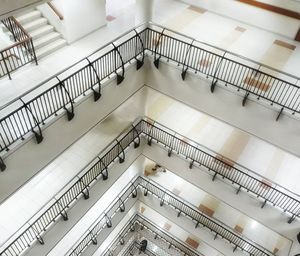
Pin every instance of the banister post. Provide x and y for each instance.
(2, 165)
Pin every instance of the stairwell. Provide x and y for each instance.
(45, 38)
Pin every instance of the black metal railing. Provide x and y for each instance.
(166, 197)
(246, 76)
(18, 54)
(219, 165)
(142, 225)
(21, 117)
(34, 228)
(28, 116)
(220, 229)
(105, 220)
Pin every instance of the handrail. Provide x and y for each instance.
(147, 185)
(68, 195)
(274, 90)
(72, 66)
(53, 100)
(222, 49)
(23, 49)
(220, 229)
(240, 76)
(55, 10)
(238, 175)
(138, 222)
(174, 143)
(245, 78)
(98, 225)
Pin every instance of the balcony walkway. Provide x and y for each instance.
(214, 134)
(273, 49)
(265, 159)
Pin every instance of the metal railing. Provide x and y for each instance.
(28, 116)
(219, 165)
(22, 117)
(105, 219)
(220, 229)
(179, 204)
(18, 54)
(34, 228)
(56, 208)
(244, 75)
(139, 224)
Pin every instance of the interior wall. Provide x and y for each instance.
(256, 117)
(80, 17)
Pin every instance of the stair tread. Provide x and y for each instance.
(51, 46)
(41, 29)
(46, 37)
(35, 22)
(33, 13)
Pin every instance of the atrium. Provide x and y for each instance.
(150, 127)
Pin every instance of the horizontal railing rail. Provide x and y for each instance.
(18, 54)
(220, 229)
(32, 110)
(238, 175)
(163, 235)
(252, 78)
(105, 220)
(33, 230)
(56, 208)
(122, 242)
(139, 223)
(165, 196)
(29, 116)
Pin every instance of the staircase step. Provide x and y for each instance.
(33, 25)
(46, 39)
(41, 31)
(28, 17)
(49, 48)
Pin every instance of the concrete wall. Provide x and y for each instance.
(257, 117)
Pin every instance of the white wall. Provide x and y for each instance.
(53, 19)
(81, 17)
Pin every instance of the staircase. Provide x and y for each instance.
(45, 39)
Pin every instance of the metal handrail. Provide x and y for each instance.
(275, 90)
(23, 41)
(141, 26)
(239, 175)
(65, 91)
(98, 167)
(139, 221)
(178, 203)
(219, 228)
(223, 50)
(15, 125)
(99, 224)
(71, 193)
